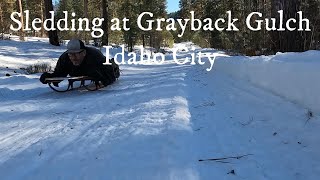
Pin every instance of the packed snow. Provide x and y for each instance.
(248, 118)
(293, 76)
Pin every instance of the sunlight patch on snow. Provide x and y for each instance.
(217, 54)
(13, 62)
(22, 86)
(16, 54)
(188, 45)
(155, 116)
(17, 142)
(29, 39)
(167, 113)
(16, 62)
(27, 106)
(28, 134)
(182, 115)
(9, 48)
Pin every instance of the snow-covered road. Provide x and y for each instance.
(156, 122)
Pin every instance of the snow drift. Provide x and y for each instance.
(293, 76)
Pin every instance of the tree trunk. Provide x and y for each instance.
(1, 22)
(53, 35)
(42, 19)
(85, 12)
(143, 40)
(131, 44)
(286, 41)
(22, 35)
(104, 26)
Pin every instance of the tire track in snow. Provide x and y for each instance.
(15, 143)
(48, 154)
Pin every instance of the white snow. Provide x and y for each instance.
(293, 76)
(158, 121)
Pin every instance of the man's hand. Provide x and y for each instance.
(44, 76)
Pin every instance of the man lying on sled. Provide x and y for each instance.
(80, 60)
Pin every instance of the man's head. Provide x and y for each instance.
(76, 51)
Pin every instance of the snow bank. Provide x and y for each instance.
(294, 76)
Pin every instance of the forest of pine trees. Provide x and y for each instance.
(254, 42)
(242, 41)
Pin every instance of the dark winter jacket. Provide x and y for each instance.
(92, 66)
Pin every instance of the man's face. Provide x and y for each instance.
(77, 58)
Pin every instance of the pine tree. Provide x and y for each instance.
(104, 10)
(6, 8)
(53, 35)
(19, 7)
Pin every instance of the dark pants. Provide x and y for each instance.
(105, 74)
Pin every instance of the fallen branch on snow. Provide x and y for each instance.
(309, 115)
(224, 158)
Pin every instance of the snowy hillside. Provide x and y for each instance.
(255, 118)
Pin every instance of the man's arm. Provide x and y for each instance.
(61, 69)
